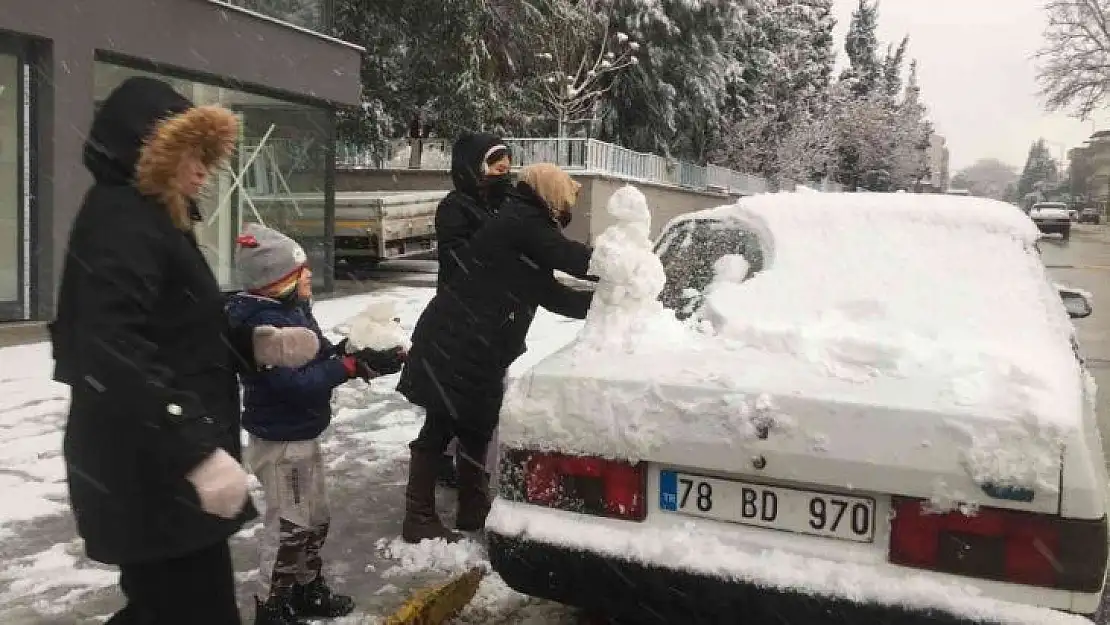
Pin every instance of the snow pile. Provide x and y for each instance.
(1022, 454)
(865, 305)
(631, 420)
(877, 285)
(377, 327)
(626, 310)
(431, 555)
(494, 601)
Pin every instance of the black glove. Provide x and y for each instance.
(340, 349)
(384, 362)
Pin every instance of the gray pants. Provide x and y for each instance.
(296, 515)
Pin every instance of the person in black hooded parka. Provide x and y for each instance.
(473, 329)
(152, 439)
(480, 166)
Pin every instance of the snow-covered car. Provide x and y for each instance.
(874, 410)
(1052, 217)
(1090, 215)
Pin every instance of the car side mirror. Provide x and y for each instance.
(1076, 302)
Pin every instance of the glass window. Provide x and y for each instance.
(276, 178)
(689, 252)
(311, 14)
(10, 197)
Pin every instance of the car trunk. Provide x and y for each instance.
(864, 449)
(846, 437)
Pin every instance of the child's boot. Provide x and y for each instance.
(277, 610)
(317, 600)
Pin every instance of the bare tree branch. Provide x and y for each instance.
(1074, 63)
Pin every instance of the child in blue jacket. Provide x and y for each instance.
(285, 412)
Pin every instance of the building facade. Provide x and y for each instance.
(937, 182)
(271, 63)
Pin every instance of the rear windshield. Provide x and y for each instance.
(689, 251)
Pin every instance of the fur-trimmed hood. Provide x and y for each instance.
(142, 133)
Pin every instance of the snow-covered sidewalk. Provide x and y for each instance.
(48, 579)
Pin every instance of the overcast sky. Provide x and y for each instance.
(976, 74)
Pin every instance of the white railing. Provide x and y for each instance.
(572, 153)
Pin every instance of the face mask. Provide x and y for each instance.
(564, 219)
(497, 187)
(501, 181)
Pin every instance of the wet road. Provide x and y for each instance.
(1084, 262)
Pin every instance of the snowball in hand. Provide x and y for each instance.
(376, 328)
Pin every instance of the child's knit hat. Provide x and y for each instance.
(268, 261)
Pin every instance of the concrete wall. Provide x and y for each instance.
(590, 217)
(195, 37)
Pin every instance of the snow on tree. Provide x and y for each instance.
(1040, 170)
(695, 71)
(795, 41)
(580, 56)
(988, 177)
(1076, 54)
(864, 73)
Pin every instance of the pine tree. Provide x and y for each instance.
(795, 38)
(892, 68)
(865, 71)
(1040, 169)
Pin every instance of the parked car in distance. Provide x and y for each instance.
(1090, 215)
(875, 412)
(1052, 217)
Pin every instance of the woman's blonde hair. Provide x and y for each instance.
(554, 186)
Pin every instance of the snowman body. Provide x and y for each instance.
(630, 275)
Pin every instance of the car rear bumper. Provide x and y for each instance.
(1053, 225)
(653, 595)
(686, 573)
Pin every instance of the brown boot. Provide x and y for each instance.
(421, 521)
(474, 495)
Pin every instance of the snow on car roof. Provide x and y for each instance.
(903, 286)
(924, 302)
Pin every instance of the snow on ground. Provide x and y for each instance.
(48, 577)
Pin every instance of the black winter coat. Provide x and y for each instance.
(476, 326)
(142, 340)
(463, 212)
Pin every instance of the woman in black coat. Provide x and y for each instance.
(480, 166)
(474, 328)
(152, 439)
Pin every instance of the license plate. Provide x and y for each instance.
(773, 507)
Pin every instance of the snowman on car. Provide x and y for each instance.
(626, 299)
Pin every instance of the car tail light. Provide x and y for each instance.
(583, 484)
(1003, 545)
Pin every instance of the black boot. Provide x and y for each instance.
(448, 477)
(277, 610)
(316, 600)
(421, 521)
